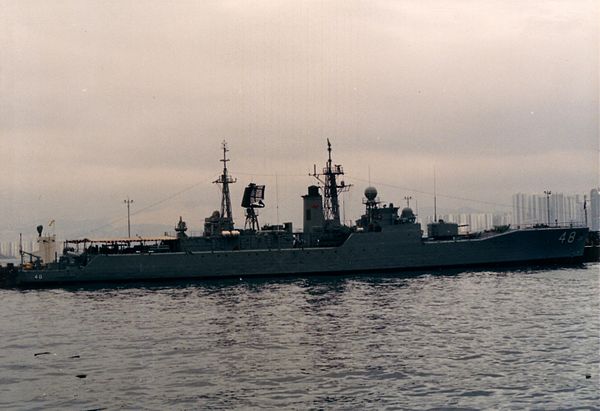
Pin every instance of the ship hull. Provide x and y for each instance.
(361, 252)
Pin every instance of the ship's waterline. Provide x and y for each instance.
(383, 238)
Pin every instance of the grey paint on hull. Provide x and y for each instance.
(366, 251)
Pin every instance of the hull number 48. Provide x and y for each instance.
(567, 239)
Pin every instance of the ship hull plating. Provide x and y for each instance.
(361, 252)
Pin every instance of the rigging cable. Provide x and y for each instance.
(431, 194)
(171, 196)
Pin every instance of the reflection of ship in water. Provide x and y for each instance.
(384, 238)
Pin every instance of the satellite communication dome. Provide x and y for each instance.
(370, 193)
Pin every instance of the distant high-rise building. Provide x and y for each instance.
(502, 219)
(594, 210)
(471, 222)
(5, 249)
(533, 209)
(10, 249)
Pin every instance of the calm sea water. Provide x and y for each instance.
(501, 339)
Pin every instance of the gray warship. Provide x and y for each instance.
(384, 238)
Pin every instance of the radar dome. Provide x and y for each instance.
(407, 215)
(371, 193)
(407, 212)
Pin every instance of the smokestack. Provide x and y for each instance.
(313, 209)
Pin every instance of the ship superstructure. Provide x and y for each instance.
(382, 239)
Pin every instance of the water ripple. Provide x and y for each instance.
(471, 340)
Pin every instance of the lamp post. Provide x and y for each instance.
(548, 193)
(585, 209)
(408, 198)
(128, 202)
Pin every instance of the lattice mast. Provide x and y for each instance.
(331, 189)
(224, 180)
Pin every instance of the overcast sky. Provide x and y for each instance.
(100, 100)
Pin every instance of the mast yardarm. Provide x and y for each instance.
(331, 189)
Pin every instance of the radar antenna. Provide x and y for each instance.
(331, 189)
(253, 199)
(225, 179)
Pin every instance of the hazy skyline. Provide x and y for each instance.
(104, 100)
